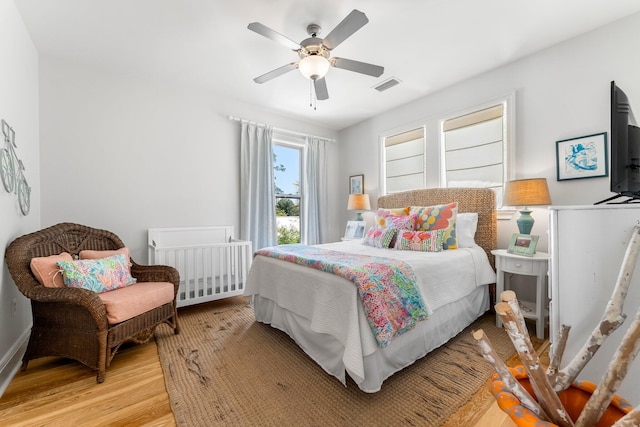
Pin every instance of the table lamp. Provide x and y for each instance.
(358, 202)
(526, 192)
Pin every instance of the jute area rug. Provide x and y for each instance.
(224, 368)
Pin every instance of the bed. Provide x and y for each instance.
(324, 315)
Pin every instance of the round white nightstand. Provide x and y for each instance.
(537, 266)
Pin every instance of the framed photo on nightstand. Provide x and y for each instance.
(523, 244)
(355, 230)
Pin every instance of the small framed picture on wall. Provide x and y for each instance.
(356, 184)
(582, 157)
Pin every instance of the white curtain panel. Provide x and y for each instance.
(315, 192)
(257, 192)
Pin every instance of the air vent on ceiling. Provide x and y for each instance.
(387, 84)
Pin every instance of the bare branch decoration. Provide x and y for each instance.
(489, 353)
(612, 318)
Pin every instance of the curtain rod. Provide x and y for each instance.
(285, 131)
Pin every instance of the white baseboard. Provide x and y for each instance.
(12, 360)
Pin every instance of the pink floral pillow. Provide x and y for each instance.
(407, 222)
(393, 211)
(379, 237)
(382, 213)
(426, 241)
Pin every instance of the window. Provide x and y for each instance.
(287, 161)
(475, 150)
(404, 161)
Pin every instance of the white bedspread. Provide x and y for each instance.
(331, 303)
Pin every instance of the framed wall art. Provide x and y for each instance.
(582, 157)
(356, 184)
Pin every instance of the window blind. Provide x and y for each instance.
(404, 161)
(474, 150)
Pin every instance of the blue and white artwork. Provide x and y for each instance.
(583, 157)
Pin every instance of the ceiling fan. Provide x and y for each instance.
(314, 52)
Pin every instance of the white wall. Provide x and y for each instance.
(19, 108)
(126, 154)
(561, 92)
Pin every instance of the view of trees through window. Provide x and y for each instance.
(286, 168)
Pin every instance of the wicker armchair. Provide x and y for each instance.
(72, 322)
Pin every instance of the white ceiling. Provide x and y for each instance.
(426, 44)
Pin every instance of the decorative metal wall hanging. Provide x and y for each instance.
(12, 170)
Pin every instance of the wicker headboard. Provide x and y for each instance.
(480, 200)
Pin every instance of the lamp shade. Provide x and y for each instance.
(314, 66)
(358, 202)
(527, 192)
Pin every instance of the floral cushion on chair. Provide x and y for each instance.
(98, 275)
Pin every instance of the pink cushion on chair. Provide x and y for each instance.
(47, 271)
(90, 254)
(124, 303)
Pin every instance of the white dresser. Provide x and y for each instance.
(586, 248)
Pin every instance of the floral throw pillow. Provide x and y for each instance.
(399, 222)
(426, 241)
(97, 275)
(438, 217)
(393, 211)
(381, 214)
(379, 237)
(90, 254)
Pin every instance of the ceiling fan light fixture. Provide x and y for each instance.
(314, 66)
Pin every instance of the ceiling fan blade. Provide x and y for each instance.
(357, 66)
(349, 25)
(263, 30)
(275, 73)
(320, 86)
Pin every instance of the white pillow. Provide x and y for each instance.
(466, 226)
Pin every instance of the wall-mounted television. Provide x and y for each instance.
(625, 149)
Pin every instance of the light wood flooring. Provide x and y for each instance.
(494, 417)
(60, 392)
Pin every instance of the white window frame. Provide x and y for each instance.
(508, 139)
(301, 147)
(433, 128)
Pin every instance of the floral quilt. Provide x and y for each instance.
(387, 287)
